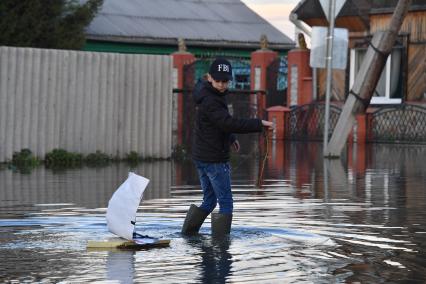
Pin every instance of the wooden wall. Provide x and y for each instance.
(414, 25)
(338, 89)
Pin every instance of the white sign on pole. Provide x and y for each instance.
(325, 6)
(319, 48)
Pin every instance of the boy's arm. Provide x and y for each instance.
(222, 119)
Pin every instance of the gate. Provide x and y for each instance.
(276, 83)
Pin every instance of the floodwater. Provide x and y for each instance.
(359, 219)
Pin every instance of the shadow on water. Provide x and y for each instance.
(358, 219)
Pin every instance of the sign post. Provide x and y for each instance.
(329, 61)
(331, 12)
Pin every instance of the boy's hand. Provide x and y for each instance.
(236, 146)
(268, 124)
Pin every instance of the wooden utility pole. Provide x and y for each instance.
(366, 80)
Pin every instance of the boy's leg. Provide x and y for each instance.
(209, 196)
(194, 219)
(196, 215)
(220, 179)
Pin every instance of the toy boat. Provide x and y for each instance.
(121, 218)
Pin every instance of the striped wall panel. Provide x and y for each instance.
(84, 102)
(414, 24)
(416, 81)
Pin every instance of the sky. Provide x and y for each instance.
(276, 12)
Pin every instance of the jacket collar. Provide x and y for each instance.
(210, 87)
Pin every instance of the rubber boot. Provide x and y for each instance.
(193, 221)
(221, 224)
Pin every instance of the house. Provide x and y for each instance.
(144, 26)
(404, 77)
(209, 28)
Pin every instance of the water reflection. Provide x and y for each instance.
(216, 260)
(86, 187)
(120, 266)
(356, 219)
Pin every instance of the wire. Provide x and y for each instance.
(262, 167)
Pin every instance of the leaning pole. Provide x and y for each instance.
(366, 80)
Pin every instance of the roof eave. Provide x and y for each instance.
(347, 15)
(189, 42)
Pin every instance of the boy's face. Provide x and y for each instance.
(221, 86)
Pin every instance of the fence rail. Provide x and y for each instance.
(84, 102)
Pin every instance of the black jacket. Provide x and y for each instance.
(214, 125)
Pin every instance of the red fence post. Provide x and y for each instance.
(357, 148)
(180, 59)
(360, 134)
(299, 89)
(260, 60)
(276, 114)
(280, 116)
(363, 128)
(369, 122)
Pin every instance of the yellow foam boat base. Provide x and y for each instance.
(119, 243)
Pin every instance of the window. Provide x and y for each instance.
(389, 89)
(241, 74)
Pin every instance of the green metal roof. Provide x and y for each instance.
(117, 47)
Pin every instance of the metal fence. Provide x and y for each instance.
(404, 123)
(306, 122)
(84, 102)
(398, 124)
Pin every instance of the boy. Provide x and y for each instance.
(213, 136)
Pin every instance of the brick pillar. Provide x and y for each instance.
(180, 59)
(299, 89)
(357, 146)
(277, 114)
(360, 132)
(260, 60)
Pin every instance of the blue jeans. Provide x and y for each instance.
(215, 179)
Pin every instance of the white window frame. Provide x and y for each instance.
(375, 100)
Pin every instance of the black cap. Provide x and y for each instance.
(221, 70)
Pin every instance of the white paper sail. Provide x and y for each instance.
(122, 207)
